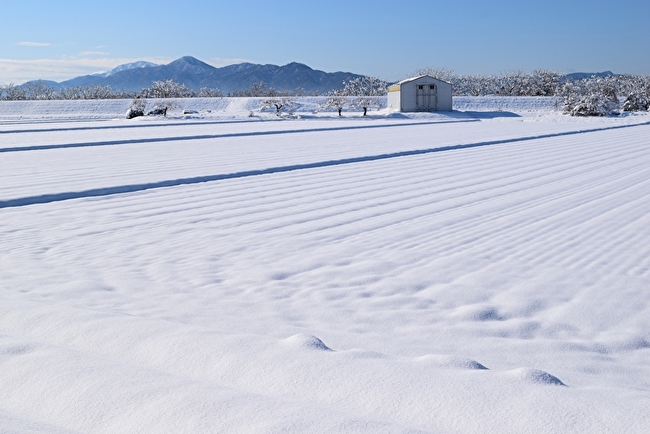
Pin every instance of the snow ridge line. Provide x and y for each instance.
(132, 188)
(218, 136)
(120, 127)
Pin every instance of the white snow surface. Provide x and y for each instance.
(485, 270)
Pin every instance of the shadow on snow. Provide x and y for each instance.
(218, 136)
(108, 191)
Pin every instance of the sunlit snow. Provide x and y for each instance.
(485, 270)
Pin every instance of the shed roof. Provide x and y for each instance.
(408, 80)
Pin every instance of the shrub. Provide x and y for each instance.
(590, 97)
(137, 108)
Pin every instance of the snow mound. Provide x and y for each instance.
(444, 361)
(307, 342)
(536, 376)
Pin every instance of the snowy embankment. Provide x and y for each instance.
(485, 270)
(229, 107)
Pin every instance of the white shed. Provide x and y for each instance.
(420, 94)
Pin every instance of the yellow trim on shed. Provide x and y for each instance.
(394, 88)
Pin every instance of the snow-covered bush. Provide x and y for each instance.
(137, 108)
(637, 89)
(595, 96)
(134, 113)
(162, 107)
(277, 103)
(158, 111)
(636, 102)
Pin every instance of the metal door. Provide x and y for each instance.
(426, 97)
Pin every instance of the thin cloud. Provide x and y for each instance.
(20, 71)
(94, 53)
(34, 44)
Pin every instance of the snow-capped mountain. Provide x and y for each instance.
(127, 66)
(196, 74)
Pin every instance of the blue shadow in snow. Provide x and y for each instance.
(219, 136)
(169, 123)
(487, 115)
(108, 191)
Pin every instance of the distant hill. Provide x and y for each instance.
(196, 74)
(581, 75)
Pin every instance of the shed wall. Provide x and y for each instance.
(394, 100)
(409, 103)
(445, 97)
(407, 100)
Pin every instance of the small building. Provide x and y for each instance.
(420, 94)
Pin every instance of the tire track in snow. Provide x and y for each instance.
(506, 181)
(182, 123)
(218, 136)
(600, 160)
(351, 205)
(106, 191)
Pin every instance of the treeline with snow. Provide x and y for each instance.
(593, 96)
(39, 90)
(362, 93)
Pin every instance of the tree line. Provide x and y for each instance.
(593, 96)
(39, 90)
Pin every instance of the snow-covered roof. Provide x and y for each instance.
(408, 80)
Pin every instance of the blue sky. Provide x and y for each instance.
(57, 40)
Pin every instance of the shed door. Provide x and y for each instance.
(426, 97)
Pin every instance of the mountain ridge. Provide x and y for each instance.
(196, 74)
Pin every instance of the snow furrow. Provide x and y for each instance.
(341, 279)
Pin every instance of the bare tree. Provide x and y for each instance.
(366, 90)
(14, 93)
(207, 92)
(443, 74)
(336, 99)
(39, 90)
(279, 103)
(546, 82)
(90, 92)
(167, 89)
(257, 89)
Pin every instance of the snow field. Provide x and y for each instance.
(355, 287)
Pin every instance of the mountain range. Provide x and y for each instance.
(581, 75)
(196, 74)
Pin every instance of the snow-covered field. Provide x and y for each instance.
(486, 270)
